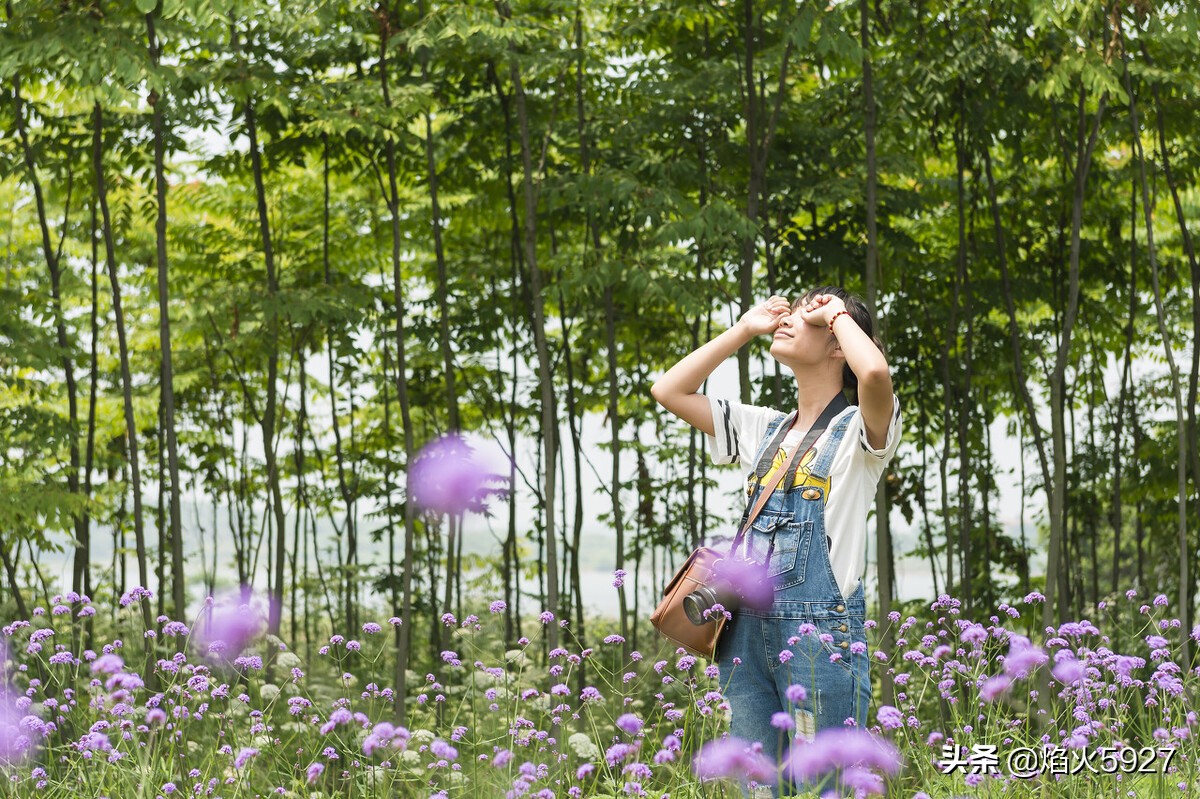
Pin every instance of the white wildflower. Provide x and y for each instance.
(582, 745)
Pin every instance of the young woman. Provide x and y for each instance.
(812, 531)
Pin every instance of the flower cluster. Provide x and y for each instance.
(225, 709)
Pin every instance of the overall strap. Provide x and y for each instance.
(763, 492)
(771, 441)
(767, 455)
(823, 462)
(838, 404)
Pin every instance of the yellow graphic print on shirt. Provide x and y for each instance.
(802, 477)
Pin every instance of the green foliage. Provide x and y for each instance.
(638, 129)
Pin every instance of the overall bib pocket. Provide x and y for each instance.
(791, 548)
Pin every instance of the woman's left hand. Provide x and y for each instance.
(821, 308)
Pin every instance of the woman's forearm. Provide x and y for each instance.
(862, 356)
(676, 389)
(686, 376)
(869, 365)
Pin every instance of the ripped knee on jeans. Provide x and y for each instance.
(806, 724)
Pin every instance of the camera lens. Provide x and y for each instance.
(695, 603)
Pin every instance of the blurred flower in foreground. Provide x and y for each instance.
(732, 757)
(746, 579)
(234, 621)
(1023, 657)
(450, 476)
(14, 741)
(843, 749)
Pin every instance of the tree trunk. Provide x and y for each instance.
(14, 584)
(758, 148)
(131, 432)
(1189, 249)
(441, 294)
(572, 587)
(403, 639)
(883, 531)
(298, 461)
(160, 508)
(1116, 519)
(275, 615)
(614, 426)
(167, 388)
(1186, 552)
(950, 404)
(53, 260)
(1058, 571)
(963, 398)
(922, 488)
(512, 573)
(347, 564)
(82, 577)
(592, 237)
(1014, 333)
(545, 376)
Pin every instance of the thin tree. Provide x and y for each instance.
(883, 531)
(1185, 550)
(131, 430)
(1057, 571)
(167, 388)
(267, 419)
(403, 640)
(759, 135)
(53, 257)
(549, 426)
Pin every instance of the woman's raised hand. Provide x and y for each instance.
(820, 309)
(763, 319)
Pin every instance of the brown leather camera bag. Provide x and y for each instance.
(669, 618)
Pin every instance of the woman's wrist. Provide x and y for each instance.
(744, 332)
(836, 316)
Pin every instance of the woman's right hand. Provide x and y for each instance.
(763, 319)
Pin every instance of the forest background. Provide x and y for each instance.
(256, 255)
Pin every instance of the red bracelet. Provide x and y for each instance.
(833, 319)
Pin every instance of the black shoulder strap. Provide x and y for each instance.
(837, 404)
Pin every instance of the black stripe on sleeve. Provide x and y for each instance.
(737, 451)
(730, 436)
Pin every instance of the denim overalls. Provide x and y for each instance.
(773, 653)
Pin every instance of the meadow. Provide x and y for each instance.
(258, 255)
(213, 707)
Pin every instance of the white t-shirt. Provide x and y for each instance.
(853, 475)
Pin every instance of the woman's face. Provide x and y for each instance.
(798, 344)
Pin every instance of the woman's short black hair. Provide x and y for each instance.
(862, 316)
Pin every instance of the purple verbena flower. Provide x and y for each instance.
(629, 724)
(1023, 657)
(747, 579)
(243, 757)
(731, 757)
(889, 717)
(107, 664)
(992, 687)
(839, 748)
(1068, 671)
(450, 476)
